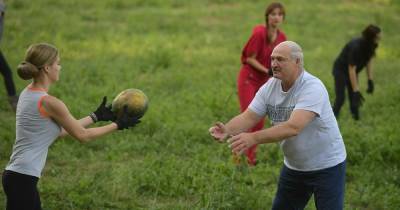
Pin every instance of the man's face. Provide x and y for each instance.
(283, 65)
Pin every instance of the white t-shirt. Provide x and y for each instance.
(319, 145)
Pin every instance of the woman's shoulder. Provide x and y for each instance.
(54, 106)
(259, 29)
(354, 41)
(353, 45)
(50, 101)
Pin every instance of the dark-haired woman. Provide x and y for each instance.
(40, 119)
(256, 62)
(356, 54)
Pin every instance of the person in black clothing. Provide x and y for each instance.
(355, 55)
(5, 69)
(8, 81)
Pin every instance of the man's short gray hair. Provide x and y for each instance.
(295, 51)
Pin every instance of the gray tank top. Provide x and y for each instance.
(35, 132)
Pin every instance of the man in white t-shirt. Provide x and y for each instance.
(297, 104)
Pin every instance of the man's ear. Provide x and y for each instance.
(297, 61)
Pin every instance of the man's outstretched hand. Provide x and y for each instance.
(218, 132)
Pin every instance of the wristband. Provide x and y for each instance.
(93, 116)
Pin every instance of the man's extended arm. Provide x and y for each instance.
(298, 120)
(236, 125)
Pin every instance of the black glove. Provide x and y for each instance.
(357, 99)
(125, 120)
(103, 112)
(370, 88)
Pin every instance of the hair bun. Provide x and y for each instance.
(27, 70)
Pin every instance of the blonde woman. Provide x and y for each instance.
(40, 119)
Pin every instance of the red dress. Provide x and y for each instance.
(250, 79)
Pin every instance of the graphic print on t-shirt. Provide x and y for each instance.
(278, 114)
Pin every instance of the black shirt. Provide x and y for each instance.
(352, 53)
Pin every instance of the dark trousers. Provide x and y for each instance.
(341, 82)
(6, 72)
(296, 187)
(21, 191)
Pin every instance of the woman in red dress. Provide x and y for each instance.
(256, 62)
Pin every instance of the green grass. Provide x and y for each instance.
(185, 55)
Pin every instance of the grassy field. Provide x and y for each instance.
(185, 55)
